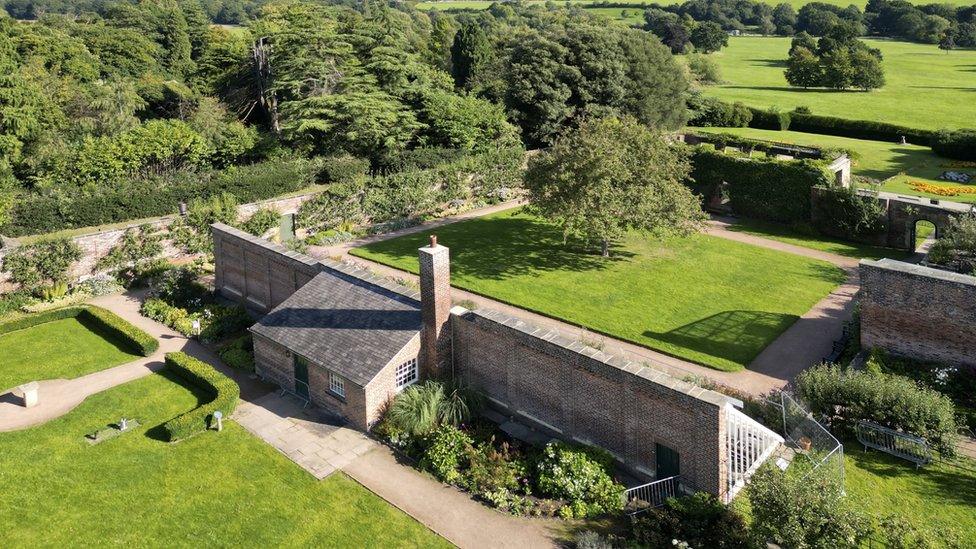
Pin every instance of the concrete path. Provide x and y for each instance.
(305, 435)
(800, 346)
(446, 510)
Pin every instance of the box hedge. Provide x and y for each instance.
(770, 120)
(858, 129)
(762, 188)
(960, 144)
(104, 320)
(222, 391)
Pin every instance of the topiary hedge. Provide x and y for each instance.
(134, 339)
(959, 144)
(223, 392)
(848, 396)
(762, 188)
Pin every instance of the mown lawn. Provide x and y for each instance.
(701, 298)
(60, 349)
(926, 88)
(783, 233)
(942, 494)
(225, 489)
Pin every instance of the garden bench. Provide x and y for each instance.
(902, 445)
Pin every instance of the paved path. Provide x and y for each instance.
(800, 346)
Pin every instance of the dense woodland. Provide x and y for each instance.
(148, 97)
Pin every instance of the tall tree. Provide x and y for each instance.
(470, 52)
(611, 175)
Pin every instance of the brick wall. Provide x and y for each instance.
(577, 393)
(256, 272)
(918, 312)
(382, 388)
(435, 308)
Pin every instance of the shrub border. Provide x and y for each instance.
(224, 393)
(135, 339)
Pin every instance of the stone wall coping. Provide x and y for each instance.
(888, 264)
(629, 367)
(319, 264)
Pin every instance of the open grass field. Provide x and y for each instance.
(225, 489)
(926, 88)
(941, 494)
(702, 298)
(896, 165)
(54, 350)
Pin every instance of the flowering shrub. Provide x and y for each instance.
(581, 476)
(444, 453)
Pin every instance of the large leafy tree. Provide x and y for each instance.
(611, 175)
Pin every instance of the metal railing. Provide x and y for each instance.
(749, 444)
(651, 495)
(903, 445)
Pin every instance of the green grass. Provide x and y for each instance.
(785, 234)
(60, 349)
(702, 298)
(941, 494)
(896, 165)
(228, 489)
(926, 88)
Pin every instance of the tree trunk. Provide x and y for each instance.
(605, 247)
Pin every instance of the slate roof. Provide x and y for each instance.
(348, 325)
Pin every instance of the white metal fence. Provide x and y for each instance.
(651, 495)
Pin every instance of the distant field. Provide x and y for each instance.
(926, 88)
(897, 164)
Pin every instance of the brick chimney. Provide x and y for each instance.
(435, 308)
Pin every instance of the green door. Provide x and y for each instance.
(301, 376)
(667, 461)
(287, 231)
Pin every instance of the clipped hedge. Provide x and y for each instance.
(770, 120)
(153, 197)
(848, 396)
(135, 339)
(960, 144)
(762, 188)
(858, 129)
(222, 390)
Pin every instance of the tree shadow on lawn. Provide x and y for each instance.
(943, 480)
(779, 63)
(792, 89)
(732, 335)
(497, 248)
(158, 432)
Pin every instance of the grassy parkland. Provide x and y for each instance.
(705, 299)
(926, 88)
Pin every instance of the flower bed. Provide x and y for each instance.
(178, 300)
(941, 190)
(561, 479)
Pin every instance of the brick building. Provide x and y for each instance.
(348, 342)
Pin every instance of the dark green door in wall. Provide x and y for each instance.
(667, 461)
(301, 377)
(287, 227)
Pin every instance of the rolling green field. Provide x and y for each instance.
(896, 165)
(702, 298)
(226, 489)
(55, 350)
(926, 88)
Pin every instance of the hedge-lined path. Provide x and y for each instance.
(314, 444)
(57, 397)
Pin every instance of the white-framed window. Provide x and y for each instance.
(406, 373)
(337, 385)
